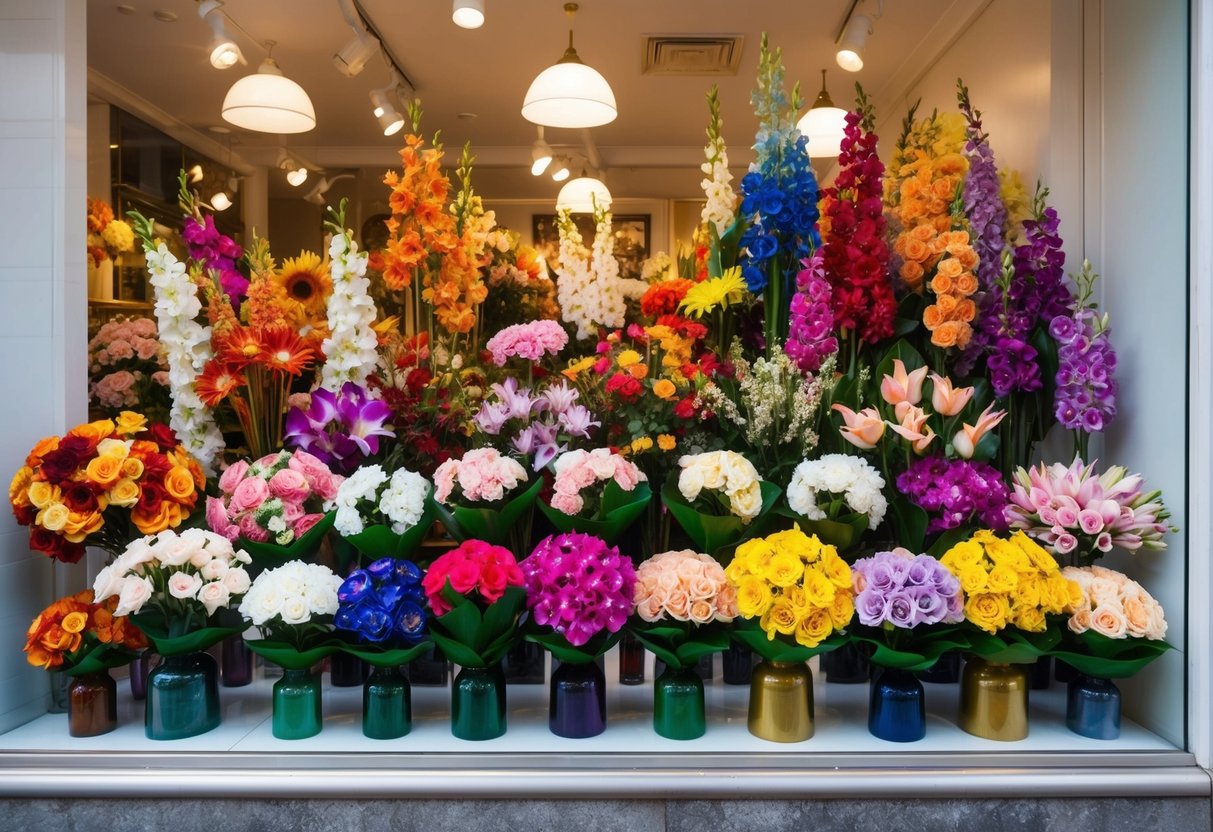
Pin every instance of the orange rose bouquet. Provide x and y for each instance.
(103, 484)
(77, 636)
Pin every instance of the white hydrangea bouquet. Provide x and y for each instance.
(384, 514)
(838, 497)
(178, 588)
(719, 499)
(293, 607)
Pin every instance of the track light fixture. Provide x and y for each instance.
(468, 14)
(296, 171)
(222, 199)
(541, 155)
(316, 194)
(224, 51)
(850, 44)
(353, 57)
(560, 169)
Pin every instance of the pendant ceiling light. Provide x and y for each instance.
(823, 125)
(569, 93)
(269, 102)
(582, 195)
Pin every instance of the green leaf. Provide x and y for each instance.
(1106, 658)
(501, 616)
(492, 525)
(463, 620)
(714, 641)
(380, 541)
(456, 651)
(1012, 646)
(660, 647)
(620, 508)
(99, 658)
(286, 655)
(377, 656)
(271, 555)
(749, 632)
(715, 534)
(179, 645)
(920, 651)
(559, 646)
(842, 533)
(909, 522)
(947, 540)
(900, 351)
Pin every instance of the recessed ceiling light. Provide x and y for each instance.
(164, 16)
(125, 8)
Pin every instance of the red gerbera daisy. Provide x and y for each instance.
(217, 381)
(241, 347)
(284, 351)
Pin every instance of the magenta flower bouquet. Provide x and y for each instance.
(579, 592)
(1074, 511)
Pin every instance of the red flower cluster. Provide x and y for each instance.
(663, 298)
(855, 251)
(475, 566)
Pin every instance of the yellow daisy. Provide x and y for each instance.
(306, 281)
(718, 291)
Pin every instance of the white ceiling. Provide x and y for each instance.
(163, 68)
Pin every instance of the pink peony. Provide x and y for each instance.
(230, 478)
(249, 494)
(290, 485)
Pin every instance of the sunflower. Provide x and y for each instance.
(719, 291)
(216, 382)
(306, 281)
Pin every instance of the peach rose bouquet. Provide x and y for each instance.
(680, 596)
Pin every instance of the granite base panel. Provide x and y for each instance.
(1009, 815)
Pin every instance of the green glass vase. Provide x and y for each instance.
(296, 705)
(387, 704)
(679, 712)
(182, 697)
(478, 703)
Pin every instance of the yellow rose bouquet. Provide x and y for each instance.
(794, 596)
(1011, 589)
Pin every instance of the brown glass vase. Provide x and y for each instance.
(92, 704)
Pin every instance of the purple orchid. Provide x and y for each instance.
(342, 429)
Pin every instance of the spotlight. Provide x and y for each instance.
(850, 45)
(354, 55)
(379, 101)
(195, 174)
(222, 200)
(224, 51)
(296, 172)
(297, 176)
(316, 194)
(391, 121)
(541, 155)
(468, 14)
(560, 169)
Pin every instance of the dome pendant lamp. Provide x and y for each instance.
(583, 195)
(269, 102)
(823, 125)
(569, 93)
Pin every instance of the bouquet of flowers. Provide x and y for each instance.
(485, 496)
(598, 492)
(956, 495)
(126, 368)
(839, 496)
(77, 635)
(293, 605)
(107, 237)
(476, 592)
(1011, 588)
(340, 429)
(579, 591)
(902, 601)
(382, 514)
(1075, 511)
(1115, 629)
(530, 342)
(678, 597)
(275, 505)
(92, 485)
(383, 608)
(794, 594)
(717, 498)
(178, 588)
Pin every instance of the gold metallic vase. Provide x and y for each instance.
(994, 700)
(781, 701)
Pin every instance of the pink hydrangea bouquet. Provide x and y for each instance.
(679, 597)
(486, 496)
(1115, 629)
(1076, 512)
(178, 588)
(719, 499)
(276, 505)
(579, 591)
(597, 492)
(530, 341)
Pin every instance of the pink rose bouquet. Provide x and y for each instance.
(476, 592)
(484, 496)
(1073, 510)
(597, 492)
(278, 501)
(679, 597)
(579, 591)
(126, 369)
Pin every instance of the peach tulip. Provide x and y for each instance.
(914, 428)
(902, 389)
(966, 439)
(945, 398)
(862, 429)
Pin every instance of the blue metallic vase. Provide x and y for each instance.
(1093, 708)
(897, 709)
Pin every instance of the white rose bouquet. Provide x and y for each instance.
(293, 607)
(839, 496)
(384, 514)
(178, 588)
(719, 500)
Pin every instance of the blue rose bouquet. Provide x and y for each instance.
(381, 609)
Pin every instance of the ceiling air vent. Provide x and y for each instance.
(692, 54)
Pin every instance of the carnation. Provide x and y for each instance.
(818, 482)
(579, 586)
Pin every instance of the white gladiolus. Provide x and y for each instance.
(349, 350)
(590, 291)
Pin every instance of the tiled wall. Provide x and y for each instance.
(42, 290)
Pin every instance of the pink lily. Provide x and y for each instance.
(863, 429)
(966, 439)
(946, 399)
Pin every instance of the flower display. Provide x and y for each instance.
(77, 634)
(579, 473)
(349, 351)
(903, 590)
(482, 475)
(819, 483)
(588, 288)
(984, 207)
(1113, 606)
(531, 341)
(183, 579)
(341, 429)
(92, 485)
(727, 481)
(107, 237)
(218, 253)
(383, 604)
(475, 570)
(684, 586)
(956, 493)
(276, 499)
(578, 586)
(720, 206)
(371, 497)
(793, 585)
(1075, 511)
(126, 368)
(1009, 583)
(292, 596)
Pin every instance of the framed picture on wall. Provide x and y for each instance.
(632, 238)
